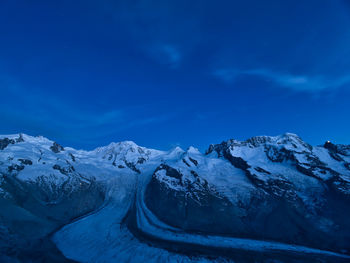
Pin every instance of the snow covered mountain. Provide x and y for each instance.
(259, 200)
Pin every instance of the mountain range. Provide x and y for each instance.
(265, 199)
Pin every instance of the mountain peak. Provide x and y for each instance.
(287, 140)
(176, 152)
(289, 134)
(115, 146)
(193, 150)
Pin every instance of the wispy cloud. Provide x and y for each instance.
(296, 82)
(166, 54)
(156, 28)
(172, 53)
(51, 116)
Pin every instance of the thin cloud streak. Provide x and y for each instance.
(166, 54)
(71, 122)
(295, 82)
(173, 55)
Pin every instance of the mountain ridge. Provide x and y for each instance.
(269, 188)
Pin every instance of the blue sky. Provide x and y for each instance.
(168, 73)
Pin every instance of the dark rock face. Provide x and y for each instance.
(20, 138)
(132, 166)
(64, 170)
(195, 162)
(25, 161)
(279, 155)
(274, 213)
(198, 208)
(338, 151)
(15, 167)
(72, 157)
(185, 162)
(337, 148)
(31, 211)
(5, 142)
(56, 148)
(223, 150)
(141, 160)
(330, 146)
